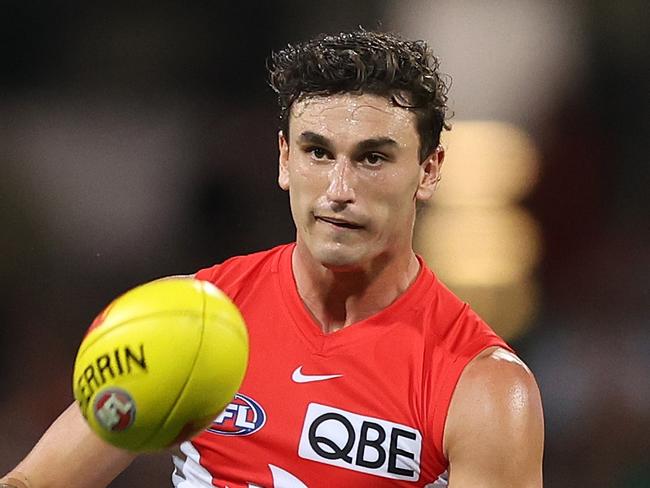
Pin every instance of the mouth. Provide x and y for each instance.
(340, 223)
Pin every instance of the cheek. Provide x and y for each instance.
(394, 190)
(304, 187)
(301, 185)
(299, 165)
(309, 178)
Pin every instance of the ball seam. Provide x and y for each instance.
(187, 379)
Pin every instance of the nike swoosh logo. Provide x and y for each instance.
(299, 377)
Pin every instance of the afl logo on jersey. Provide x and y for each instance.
(242, 416)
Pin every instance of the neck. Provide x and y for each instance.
(337, 299)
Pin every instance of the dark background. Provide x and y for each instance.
(138, 140)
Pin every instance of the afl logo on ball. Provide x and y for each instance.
(242, 416)
(114, 409)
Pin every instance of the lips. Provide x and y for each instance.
(342, 223)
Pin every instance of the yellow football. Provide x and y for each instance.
(160, 363)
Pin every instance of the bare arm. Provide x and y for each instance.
(70, 455)
(494, 434)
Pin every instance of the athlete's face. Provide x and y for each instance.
(351, 166)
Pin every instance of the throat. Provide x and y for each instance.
(334, 314)
(331, 327)
(337, 300)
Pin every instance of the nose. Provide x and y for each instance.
(340, 190)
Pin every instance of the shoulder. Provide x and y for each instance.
(493, 370)
(495, 429)
(237, 266)
(454, 326)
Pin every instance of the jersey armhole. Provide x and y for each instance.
(447, 387)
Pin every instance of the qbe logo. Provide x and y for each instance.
(242, 416)
(365, 444)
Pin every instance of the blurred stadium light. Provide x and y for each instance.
(476, 236)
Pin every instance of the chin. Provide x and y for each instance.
(340, 258)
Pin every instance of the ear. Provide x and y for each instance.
(430, 174)
(283, 160)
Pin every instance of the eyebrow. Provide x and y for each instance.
(367, 144)
(313, 138)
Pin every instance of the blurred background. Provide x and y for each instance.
(139, 140)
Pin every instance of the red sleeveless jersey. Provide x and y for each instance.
(363, 406)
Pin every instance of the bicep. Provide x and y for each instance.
(494, 433)
(70, 455)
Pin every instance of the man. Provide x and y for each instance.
(364, 369)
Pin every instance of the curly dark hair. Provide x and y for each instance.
(364, 62)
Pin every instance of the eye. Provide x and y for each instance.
(374, 159)
(318, 152)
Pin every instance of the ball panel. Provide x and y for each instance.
(219, 370)
(219, 306)
(165, 296)
(228, 362)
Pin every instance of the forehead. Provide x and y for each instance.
(349, 116)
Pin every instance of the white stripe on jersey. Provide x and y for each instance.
(284, 479)
(188, 472)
